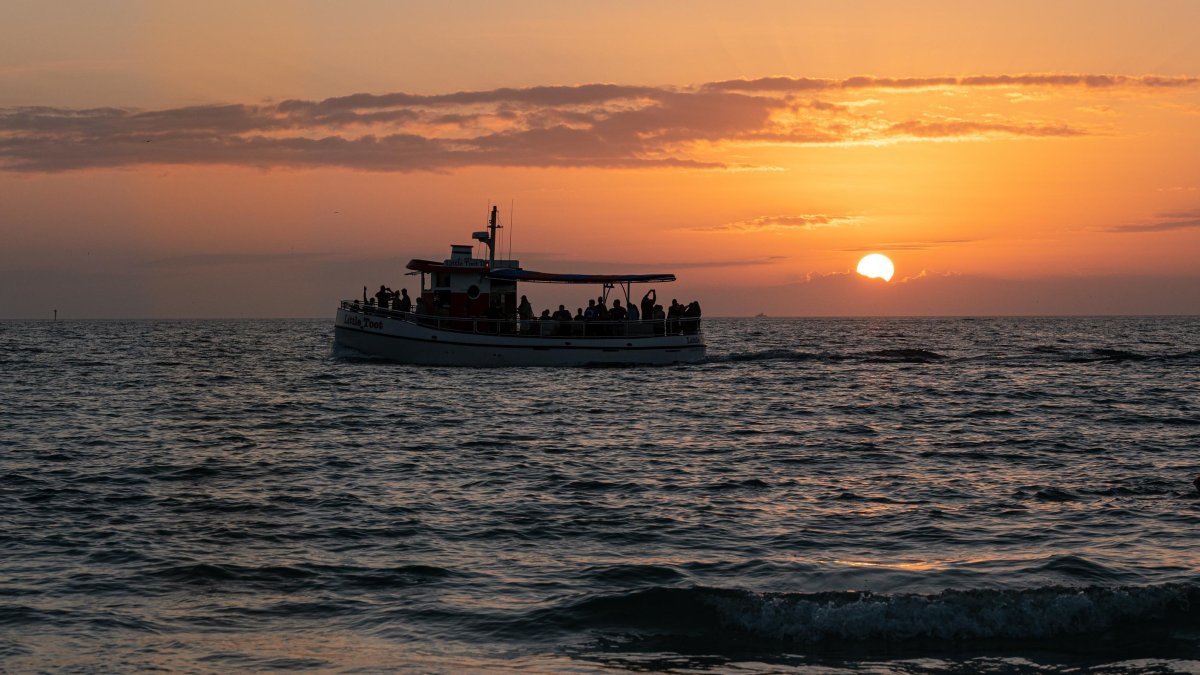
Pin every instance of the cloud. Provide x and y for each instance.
(909, 245)
(1174, 220)
(946, 128)
(705, 264)
(793, 84)
(535, 96)
(589, 125)
(665, 266)
(1188, 213)
(1098, 109)
(220, 259)
(782, 223)
(1159, 227)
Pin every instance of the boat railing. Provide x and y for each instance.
(535, 327)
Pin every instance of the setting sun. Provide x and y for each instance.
(876, 266)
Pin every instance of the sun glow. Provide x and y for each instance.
(876, 266)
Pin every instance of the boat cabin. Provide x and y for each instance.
(460, 286)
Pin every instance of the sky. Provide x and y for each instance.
(266, 159)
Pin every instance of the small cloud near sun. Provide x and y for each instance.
(783, 223)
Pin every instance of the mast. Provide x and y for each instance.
(491, 242)
(489, 236)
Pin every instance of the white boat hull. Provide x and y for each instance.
(404, 340)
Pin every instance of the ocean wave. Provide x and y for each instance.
(1078, 567)
(872, 356)
(1054, 494)
(632, 573)
(904, 356)
(1037, 354)
(287, 577)
(764, 355)
(955, 615)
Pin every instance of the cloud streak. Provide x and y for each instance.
(909, 245)
(592, 125)
(794, 84)
(1163, 226)
(1185, 219)
(782, 223)
(591, 265)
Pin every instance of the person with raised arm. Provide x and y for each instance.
(648, 301)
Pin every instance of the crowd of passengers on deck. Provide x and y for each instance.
(677, 318)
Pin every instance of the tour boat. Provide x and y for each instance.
(467, 316)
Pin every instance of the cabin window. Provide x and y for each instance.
(473, 292)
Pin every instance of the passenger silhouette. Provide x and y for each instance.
(648, 301)
(673, 314)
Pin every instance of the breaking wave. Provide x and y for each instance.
(955, 615)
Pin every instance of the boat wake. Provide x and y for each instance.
(341, 352)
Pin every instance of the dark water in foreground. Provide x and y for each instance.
(891, 495)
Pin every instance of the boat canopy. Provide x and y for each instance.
(417, 265)
(511, 274)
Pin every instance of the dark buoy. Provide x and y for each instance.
(1197, 483)
(56, 319)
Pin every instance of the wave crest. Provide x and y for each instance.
(805, 618)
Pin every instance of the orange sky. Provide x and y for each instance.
(172, 159)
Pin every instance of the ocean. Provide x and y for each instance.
(882, 495)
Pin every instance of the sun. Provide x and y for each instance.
(876, 266)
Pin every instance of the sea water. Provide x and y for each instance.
(915, 495)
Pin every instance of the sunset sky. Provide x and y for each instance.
(164, 159)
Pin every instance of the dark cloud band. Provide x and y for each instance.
(591, 125)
